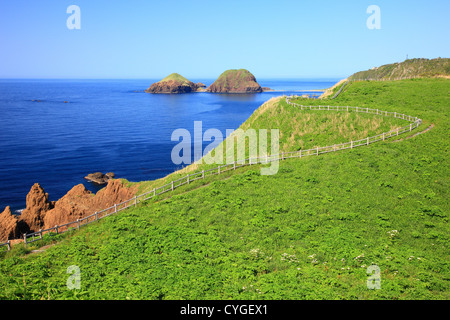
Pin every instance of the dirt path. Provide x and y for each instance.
(416, 134)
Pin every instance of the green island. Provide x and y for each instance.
(308, 232)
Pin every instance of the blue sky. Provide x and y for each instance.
(201, 39)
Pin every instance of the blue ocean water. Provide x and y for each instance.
(55, 132)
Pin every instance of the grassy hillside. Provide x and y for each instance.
(412, 68)
(308, 232)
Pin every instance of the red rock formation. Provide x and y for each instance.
(8, 226)
(74, 205)
(37, 205)
(77, 203)
(80, 202)
(115, 192)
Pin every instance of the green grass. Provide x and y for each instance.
(308, 232)
(176, 77)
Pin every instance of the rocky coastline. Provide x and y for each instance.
(41, 213)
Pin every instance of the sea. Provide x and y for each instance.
(56, 132)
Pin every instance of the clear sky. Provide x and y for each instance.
(200, 39)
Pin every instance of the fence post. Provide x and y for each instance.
(384, 137)
(188, 180)
(9, 245)
(317, 150)
(218, 170)
(96, 215)
(234, 165)
(135, 201)
(40, 233)
(56, 228)
(367, 140)
(410, 127)
(78, 223)
(25, 238)
(172, 185)
(154, 192)
(351, 144)
(203, 172)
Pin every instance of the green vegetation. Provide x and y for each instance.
(238, 73)
(412, 68)
(176, 77)
(308, 232)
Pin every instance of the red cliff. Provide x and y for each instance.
(8, 226)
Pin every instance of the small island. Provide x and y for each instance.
(173, 83)
(235, 81)
(100, 178)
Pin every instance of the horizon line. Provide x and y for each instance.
(153, 78)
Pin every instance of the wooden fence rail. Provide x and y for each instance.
(171, 186)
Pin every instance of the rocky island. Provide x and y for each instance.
(100, 178)
(174, 83)
(231, 81)
(235, 81)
